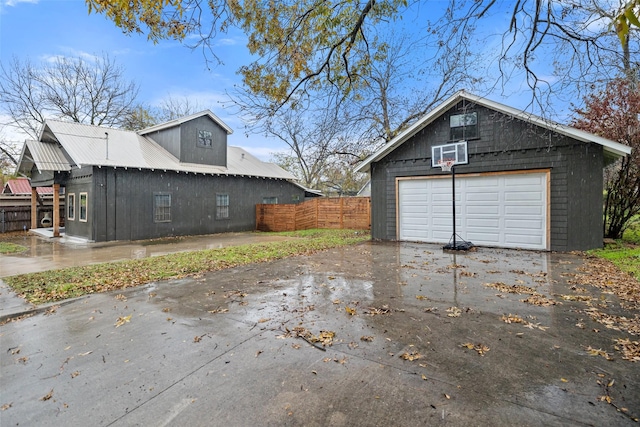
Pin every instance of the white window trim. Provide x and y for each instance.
(71, 204)
(86, 211)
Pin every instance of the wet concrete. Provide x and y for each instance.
(50, 254)
(218, 349)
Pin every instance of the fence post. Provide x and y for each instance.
(34, 208)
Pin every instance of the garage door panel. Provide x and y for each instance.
(528, 209)
(487, 238)
(505, 210)
(530, 224)
(482, 222)
(482, 197)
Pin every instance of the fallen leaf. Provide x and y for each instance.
(6, 406)
(122, 320)
(264, 320)
(411, 356)
(47, 396)
(366, 338)
(75, 374)
(564, 380)
(349, 310)
(454, 312)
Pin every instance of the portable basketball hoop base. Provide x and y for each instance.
(448, 165)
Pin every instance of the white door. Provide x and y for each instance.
(508, 210)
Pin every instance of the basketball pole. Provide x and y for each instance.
(453, 198)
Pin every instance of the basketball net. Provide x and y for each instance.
(446, 164)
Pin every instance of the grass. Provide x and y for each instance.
(11, 248)
(624, 253)
(55, 285)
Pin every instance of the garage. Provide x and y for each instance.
(522, 181)
(507, 210)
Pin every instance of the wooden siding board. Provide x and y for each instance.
(125, 197)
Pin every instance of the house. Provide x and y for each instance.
(176, 178)
(523, 182)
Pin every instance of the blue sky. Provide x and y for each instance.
(43, 29)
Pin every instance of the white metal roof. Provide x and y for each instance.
(87, 145)
(47, 156)
(612, 148)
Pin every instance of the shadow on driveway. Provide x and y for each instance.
(376, 334)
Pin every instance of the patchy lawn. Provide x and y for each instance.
(10, 248)
(56, 285)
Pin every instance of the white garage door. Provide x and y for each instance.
(507, 210)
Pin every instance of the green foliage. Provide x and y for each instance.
(613, 113)
(628, 17)
(9, 248)
(55, 285)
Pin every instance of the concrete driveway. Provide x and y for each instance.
(408, 335)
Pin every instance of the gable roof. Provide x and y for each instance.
(23, 186)
(611, 148)
(64, 145)
(179, 121)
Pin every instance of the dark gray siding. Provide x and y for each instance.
(190, 152)
(122, 203)
(505, 144)
(182, 142)
(80, 181)
(169, 139)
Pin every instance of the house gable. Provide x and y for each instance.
(199, 139)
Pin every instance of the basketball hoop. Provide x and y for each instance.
(446, 164)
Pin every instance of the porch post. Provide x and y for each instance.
(34, 208)
(56, 210)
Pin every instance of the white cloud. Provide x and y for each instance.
(13, 3)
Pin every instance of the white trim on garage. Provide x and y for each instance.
(508, 209)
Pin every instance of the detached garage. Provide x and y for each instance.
(527, 183)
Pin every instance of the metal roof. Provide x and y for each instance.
(87, 145)
(179, 121)
(611, 148)
(47, 156)
(23, 186)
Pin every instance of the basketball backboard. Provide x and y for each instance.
(456, 151)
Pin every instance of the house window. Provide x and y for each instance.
(269, 200)
(71, 206)
(205, 138)
(295, 197)
(83, 207)
(463, 126)
(162, 207)
(222, 206)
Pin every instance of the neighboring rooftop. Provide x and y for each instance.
(21, 186)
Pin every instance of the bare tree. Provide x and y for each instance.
(313, 137)
(172, 108)
(95, 93)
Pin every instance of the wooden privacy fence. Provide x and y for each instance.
(341, 212)
(15, 211)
